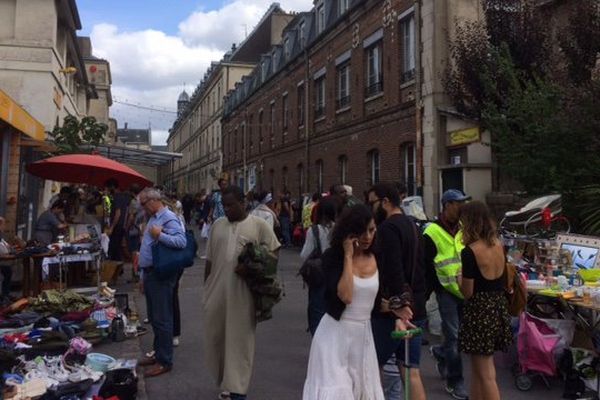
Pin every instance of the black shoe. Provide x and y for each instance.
(440, 363)
(458, 391)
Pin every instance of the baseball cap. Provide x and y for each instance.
(454, 195)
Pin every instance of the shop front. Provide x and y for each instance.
(22, 138)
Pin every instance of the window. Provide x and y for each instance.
(343, 167)
(285, 110)
(320, 17)
(373, 157)
(250, 132)
(272, 180)
(260, 130)
(284, 178)
(319, 167)
(343, 82)
(407, 30)
(300, 96)
(320, 97)
(343, 6)
(302, 33)
(374, 70)
(263, 71)
(274, 61)
(286, 49)
(409, 168)
(300, 171)
(235, 142)
(272, 125)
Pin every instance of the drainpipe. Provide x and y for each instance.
(306, 130)
(244, 150)
(419, 140)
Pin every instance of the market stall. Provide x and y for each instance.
(48, 346)
(81, 241)
(562, 276)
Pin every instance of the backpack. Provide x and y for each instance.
(312, 269)
(515, 290)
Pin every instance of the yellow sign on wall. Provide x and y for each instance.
(464, 136)
(18, 118)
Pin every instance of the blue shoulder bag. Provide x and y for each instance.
(168, 261)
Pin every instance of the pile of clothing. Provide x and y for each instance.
(45, 344)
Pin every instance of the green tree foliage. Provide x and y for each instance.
(535, 86)
(69, 137)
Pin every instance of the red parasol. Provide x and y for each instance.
(86, 168)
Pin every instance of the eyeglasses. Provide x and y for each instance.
(143, 203)
(372, 202)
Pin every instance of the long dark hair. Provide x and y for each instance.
(326, 211)
(353, 221)
(477, 223)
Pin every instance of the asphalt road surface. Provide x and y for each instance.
(282, 350)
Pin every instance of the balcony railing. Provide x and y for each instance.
(319, 112)
(343, 102)
(374, 89)
(408, 76)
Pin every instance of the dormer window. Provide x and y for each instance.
(343, 6)
(320, 17)
(263, 71)
(286, 48)
(302, 33)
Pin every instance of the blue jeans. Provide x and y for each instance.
(159, 303)
(236, 396)
(316, 307)
(385, 346)
(286, 230)
(392, 386)
(451, 310)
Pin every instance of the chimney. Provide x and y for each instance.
(125, 125)
(233, 47)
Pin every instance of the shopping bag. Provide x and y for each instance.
(205, 231)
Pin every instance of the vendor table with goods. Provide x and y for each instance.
(47, 346)
(85, 248)
(562, 319)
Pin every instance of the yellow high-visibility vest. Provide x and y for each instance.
(447, 260)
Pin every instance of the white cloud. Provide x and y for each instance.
(220, 28)
(150, 67)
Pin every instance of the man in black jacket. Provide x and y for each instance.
(401, 282)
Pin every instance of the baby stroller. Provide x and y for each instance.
(539, 342)
(526, 220)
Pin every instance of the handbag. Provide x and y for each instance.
(168, 261)
(515, 291)
(312, 269)
(205, 232)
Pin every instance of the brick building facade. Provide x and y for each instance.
(334, 103)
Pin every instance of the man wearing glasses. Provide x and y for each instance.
(163, 226)
(401, 287)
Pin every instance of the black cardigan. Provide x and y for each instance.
(333, 267)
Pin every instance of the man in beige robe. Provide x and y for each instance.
(230, 326)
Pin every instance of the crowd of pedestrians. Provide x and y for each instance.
(375, 268)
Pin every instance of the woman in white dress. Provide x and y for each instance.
(343, 363)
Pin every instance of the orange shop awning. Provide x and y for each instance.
(18, 118)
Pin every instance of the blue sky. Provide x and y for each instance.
(156, 46)
(134, 15)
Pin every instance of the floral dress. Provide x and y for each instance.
(485, 327)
